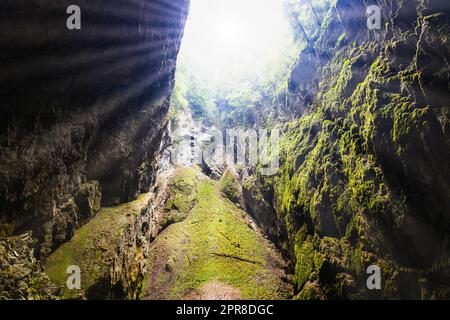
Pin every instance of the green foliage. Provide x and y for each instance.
(239, 102)
(308, 16)
(194, 93)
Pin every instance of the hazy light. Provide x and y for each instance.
(226, 41)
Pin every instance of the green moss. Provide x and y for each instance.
(341, 39)
(311, 291)
(304, 266)
(214, 243)
(182, 190)
(329, 173)
(309, 260)
(229, 184)
(92, 247)
(39, 288)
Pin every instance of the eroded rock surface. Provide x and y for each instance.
(364, 176)
(83, 111)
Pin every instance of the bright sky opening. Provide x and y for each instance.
(228, 41)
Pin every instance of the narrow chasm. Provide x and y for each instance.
(225, 150)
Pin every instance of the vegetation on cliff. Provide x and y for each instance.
(215, 252)
(92, 248)
(364, 177)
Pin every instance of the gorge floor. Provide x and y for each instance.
(212, 250)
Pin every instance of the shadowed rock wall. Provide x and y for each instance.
(82, 111)
(364, 176)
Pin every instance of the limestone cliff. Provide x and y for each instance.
(82, 111)
(365, 176)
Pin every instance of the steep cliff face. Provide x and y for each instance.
(365, 176)
(83, 111)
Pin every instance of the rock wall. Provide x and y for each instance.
(365, 176)
(20, 272)
(82, 110)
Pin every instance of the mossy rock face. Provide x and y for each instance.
(92, 249)
(60, 131)
(180, 197)
(258, 203)
(230, 185)
(88, 199)
(213, 252)
(364, 177)
(21, 275)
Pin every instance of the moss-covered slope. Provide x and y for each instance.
(214, 253)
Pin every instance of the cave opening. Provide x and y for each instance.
(232, 52)
(232, 41)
